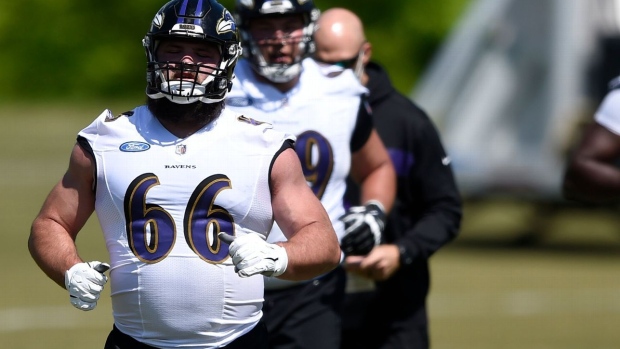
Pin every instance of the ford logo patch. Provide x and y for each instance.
(133, 147)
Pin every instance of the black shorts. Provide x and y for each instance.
(255, 339)
(306, 316)
(369, 322)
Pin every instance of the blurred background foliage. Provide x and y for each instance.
(72, 50)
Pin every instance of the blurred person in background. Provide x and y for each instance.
(166, 180)
(385, 304)
(277, 82)
(592, 174)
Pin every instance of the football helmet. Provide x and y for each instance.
(202, 20)
(246, 10)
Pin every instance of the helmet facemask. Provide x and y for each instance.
(180, 81)
(278, 72)
(187, 89)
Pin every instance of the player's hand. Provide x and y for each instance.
(363, 228)
(252, 255)
(379, 265)
(85, 281)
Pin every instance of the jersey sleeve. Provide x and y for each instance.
(92, 131)
(363, 126)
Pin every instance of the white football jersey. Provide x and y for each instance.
(608, 113)
(321, 112)
(160, 200)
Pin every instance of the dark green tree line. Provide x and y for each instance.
(80, 50)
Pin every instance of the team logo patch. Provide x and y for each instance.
(110, 117)
(181, 149)
(226, 23)
(134, 147)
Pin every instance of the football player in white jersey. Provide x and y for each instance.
(276, 82)
(186, 193)
(592, 174)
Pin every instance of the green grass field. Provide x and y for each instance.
(34, 153)
(487, 292)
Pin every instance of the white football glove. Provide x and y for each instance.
(363, 227)
(252, 255)
(85, 281)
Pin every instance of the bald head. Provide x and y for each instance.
(339, 35)
(340, 41)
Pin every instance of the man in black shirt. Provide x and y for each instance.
(385, 306)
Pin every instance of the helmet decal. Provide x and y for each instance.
(226, 23)
(158, 21)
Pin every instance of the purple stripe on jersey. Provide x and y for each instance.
(402, 161)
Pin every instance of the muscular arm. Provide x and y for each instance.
(372, 168)
(312, 246)
(591, 175)
(65, 211)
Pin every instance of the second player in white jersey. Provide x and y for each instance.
(307, 111)
(276, 82)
